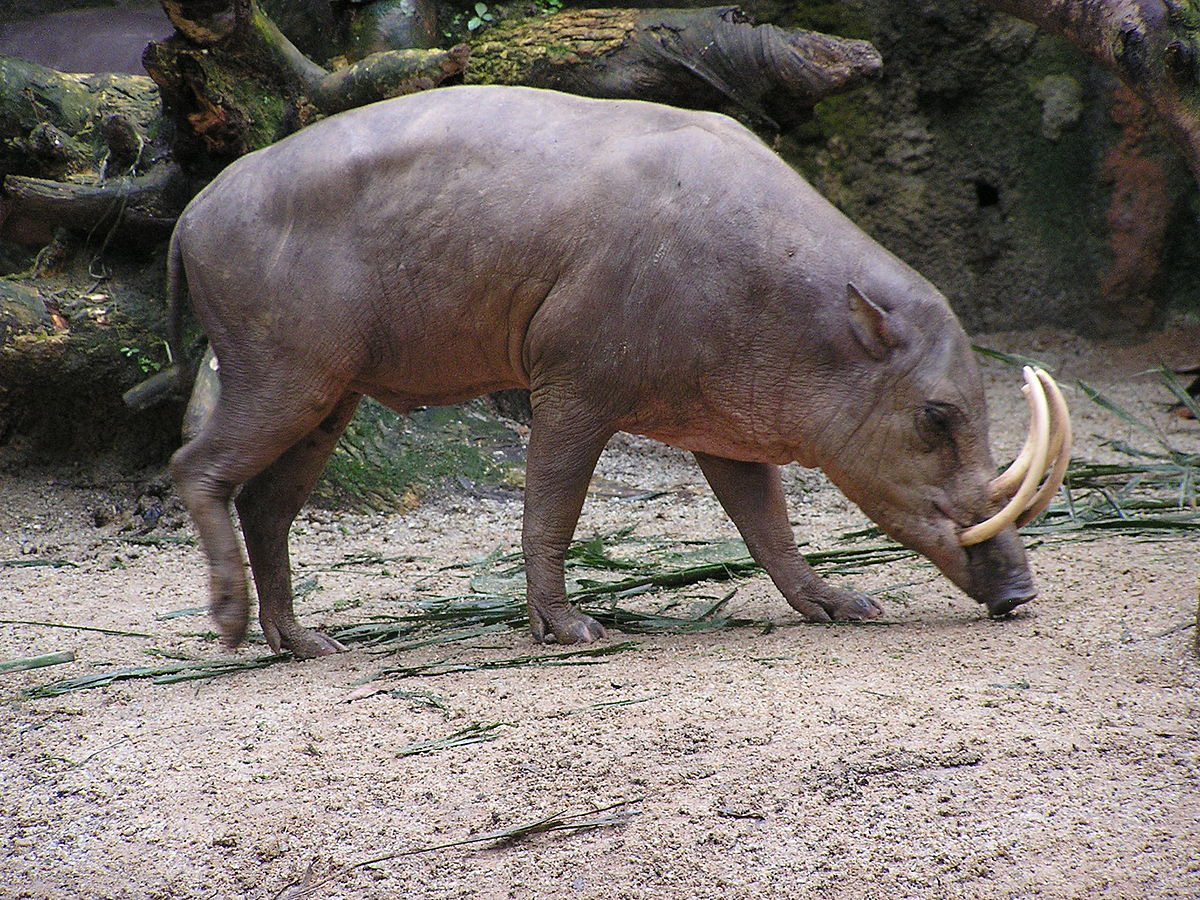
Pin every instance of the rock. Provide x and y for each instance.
(1062, 104)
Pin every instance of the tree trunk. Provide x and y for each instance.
(232, 82)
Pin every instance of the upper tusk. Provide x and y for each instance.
(1060, 450)
(1039, 409)
(1004, 484)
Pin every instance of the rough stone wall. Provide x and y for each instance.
(1020, 178)
(997, 160)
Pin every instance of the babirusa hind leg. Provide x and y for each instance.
(267, 505)
(253, 419)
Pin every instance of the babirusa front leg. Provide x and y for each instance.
(564, 446)
(752, 495)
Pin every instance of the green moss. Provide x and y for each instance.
(493, 63)
(838, 148)
(261, 105)
(1185, 14)
(1050, 56)
(850, 117)
(1050, 211)
(845, 19)
(516, 49)
(30, 97)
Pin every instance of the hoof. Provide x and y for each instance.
(1006, 606)
(231, 613)
(570, 627)
(311, 644)
(855, 607)
(303, 643)
(836, 605)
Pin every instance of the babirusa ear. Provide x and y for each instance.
(870, 324)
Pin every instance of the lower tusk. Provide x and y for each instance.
(1060, 449)
(1040, 434)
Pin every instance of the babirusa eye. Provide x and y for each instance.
(937, 415)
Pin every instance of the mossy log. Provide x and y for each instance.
(388, 74)
(136, 207)
(84, 151)
(50, 122)
(709, 58)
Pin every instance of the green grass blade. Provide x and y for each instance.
(37, 662)
(474, 733)
(1104, 403)
(587, 657)
(1011, 359)
(1175, 386)
(112, 631)
(565, 821)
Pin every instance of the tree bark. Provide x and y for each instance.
(142, 206)
(710, 58)
(232, 82)
(1151, 45)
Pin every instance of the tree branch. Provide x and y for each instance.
(142, 205)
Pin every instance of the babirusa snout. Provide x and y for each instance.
(1048, 447)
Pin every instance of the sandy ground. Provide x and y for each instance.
(1054, 754)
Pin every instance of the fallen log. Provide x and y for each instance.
(142, 206)
(48, 119)
(710, 58)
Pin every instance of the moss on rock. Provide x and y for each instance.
(977, 158)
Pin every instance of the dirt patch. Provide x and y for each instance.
(1054, 754)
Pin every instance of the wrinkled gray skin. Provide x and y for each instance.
(639, 268)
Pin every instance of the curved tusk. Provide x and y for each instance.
(1039, 409)
(1060, 450)
(1005, 484)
